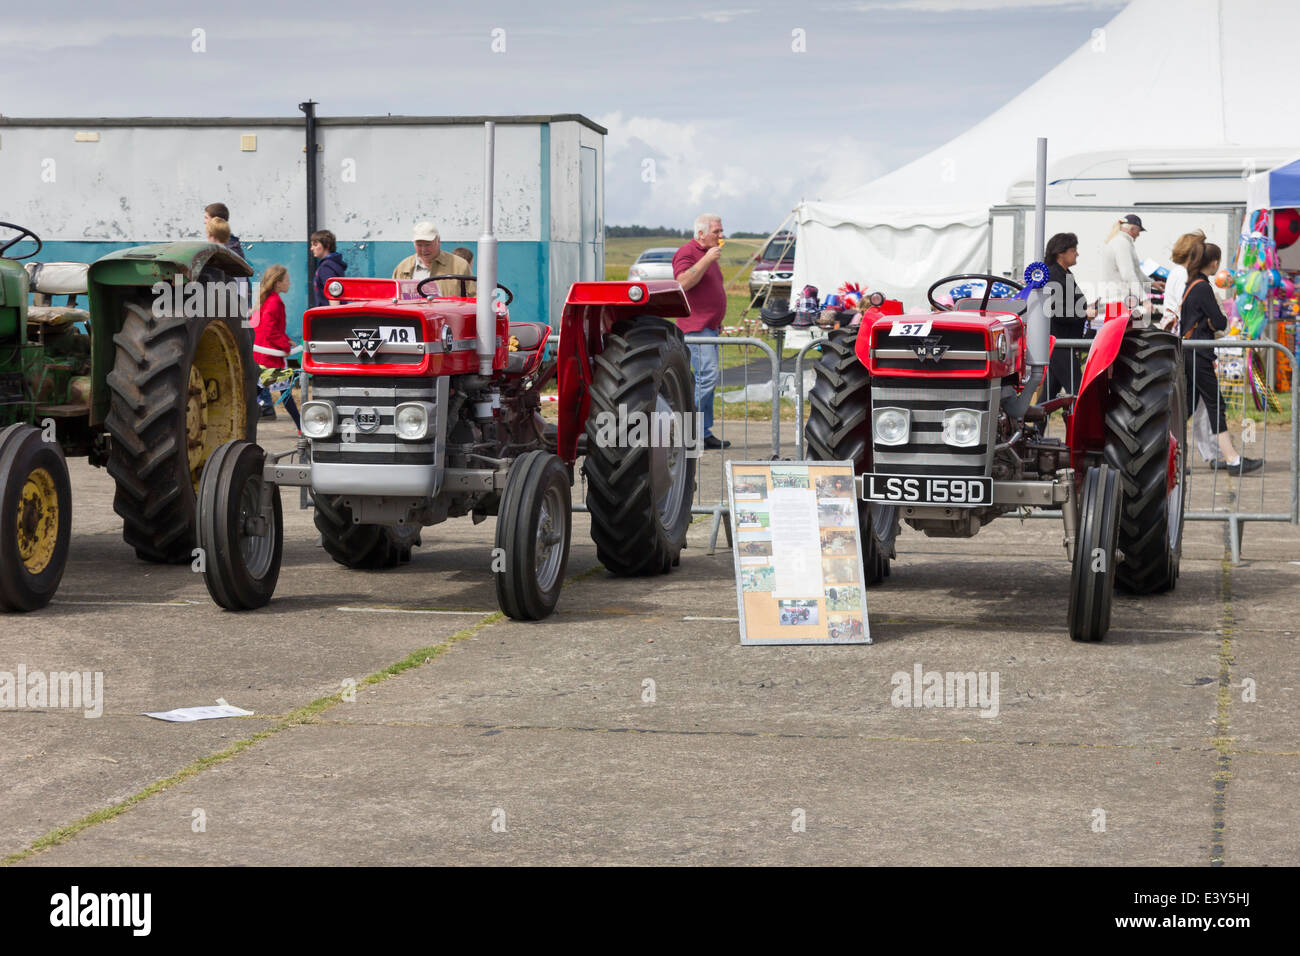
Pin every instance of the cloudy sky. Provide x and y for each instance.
(745, 106)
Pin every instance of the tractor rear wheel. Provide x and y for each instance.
(364, 547)
(839, 429)
(1146, 438)
(534, 529)
(180, 389)
(241, 541)
(639, 493)
(35, 518)
(1092, 577)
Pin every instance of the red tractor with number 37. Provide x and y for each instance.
(936, 412)
(425, 407)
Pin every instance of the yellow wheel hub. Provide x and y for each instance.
(38, 521)
(215, 410)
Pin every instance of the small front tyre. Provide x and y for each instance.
(1092, 578)
(35, 518)
(534, 530)
(241, 538)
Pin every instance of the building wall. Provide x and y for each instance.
(149, 182)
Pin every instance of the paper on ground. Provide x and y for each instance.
(184, 714)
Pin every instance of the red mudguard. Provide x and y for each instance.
(590, 311)
(1084, 426)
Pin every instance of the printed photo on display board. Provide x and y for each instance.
(797, 551)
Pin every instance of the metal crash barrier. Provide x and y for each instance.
(1215, 494)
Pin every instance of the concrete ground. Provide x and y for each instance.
(1175, 741)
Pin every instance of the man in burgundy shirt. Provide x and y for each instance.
(696, 268)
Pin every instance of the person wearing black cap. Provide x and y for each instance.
(1121, 269)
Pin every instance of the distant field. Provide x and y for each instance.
(621, 253)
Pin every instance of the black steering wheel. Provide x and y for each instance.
(988, 289)
(510, 296)
(23, 233)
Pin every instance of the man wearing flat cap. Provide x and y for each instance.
(430, 260)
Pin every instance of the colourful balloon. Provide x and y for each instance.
(1223, 278)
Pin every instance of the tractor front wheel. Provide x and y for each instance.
(35, 518)
(534, 530)
(639, 490)
(1092, 578)
(839, 429)
(241, 540)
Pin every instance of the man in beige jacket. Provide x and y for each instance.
(430, 260)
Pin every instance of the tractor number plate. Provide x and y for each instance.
(910, 327)
(928, 490)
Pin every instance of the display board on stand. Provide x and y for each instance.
(798, 552)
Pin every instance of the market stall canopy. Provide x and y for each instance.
(1124, 89)
(1278, 188)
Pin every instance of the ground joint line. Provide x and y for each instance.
(1222, 736)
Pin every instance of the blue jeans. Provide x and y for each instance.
(704, 363)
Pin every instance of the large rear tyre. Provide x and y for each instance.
(1146, 440)
(180, 389)
(839, 429)
(1092, 578)
(367, 547)
(639, 491)
(241, 541)
(534, 531)
(35, 518)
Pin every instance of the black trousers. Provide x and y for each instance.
(1202, 385)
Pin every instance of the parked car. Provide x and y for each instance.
(775, 264)
(653, 264)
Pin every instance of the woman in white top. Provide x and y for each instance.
(1176, 284)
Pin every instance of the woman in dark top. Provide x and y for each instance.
(1201, 318)
(1067, 307)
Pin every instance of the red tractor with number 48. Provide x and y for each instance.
(425, 407)
(935, 411)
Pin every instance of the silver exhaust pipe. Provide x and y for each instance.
(486, 257)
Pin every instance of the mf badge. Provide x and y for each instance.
(364, 342)
(930, 349)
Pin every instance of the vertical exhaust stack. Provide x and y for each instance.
(1037, 323)
(486, 318)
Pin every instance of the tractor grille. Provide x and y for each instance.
(961, 350)
(357, 340)
(375, 399)
(925, 452)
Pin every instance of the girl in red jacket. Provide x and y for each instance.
(270, 334)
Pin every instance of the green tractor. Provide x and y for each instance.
(149, 379)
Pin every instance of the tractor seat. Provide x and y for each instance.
(529, 335)
(57, 278)
(56, 316)
(1014, 306)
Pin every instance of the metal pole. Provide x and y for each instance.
(309, 110)
(1040, 201)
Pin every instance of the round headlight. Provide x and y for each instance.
(891, 426)
(411, 422)
(961, 428)
(317, 419)
(334, 288)
(636, 293)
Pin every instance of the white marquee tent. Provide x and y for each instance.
(931, 217)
